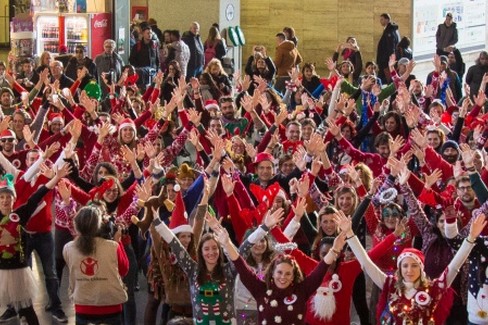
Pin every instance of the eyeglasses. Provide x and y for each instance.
(9, 140)
(465, 188)
(79, 51)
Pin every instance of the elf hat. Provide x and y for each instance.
(7, 185)
(179, 217)
(417, 255)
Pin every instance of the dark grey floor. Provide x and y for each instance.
(41, 299)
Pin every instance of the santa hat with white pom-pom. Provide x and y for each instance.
(179, 217)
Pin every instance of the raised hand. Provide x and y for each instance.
(303, 186)
(63, 171)
(316, 166)
(128, 154)
(331, 65)
(299, 158)
(395, 166)
(375, 185)
(343, 222)
(401, 226)
(403, 176)
(262, 83)
(64, 190)
(228, 165)
(272, 219)
(419, 139)
(51, 150)
(467, 154)
(250, 150)
(194, 116)
(432, 178)
(222, 235)
(477, 226)
(353, 175)
(228, 184)
(218, 150)
(280, 117)
(333, 128)
(69, 150)
(300, 209)
(395, 145)
(315, 145)
(46, 171)
(212, 221)
(144, 192)
(480, 100)
(193, 138)
(212, 136)
(339, 242)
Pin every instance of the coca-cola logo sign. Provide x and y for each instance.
(100, 23)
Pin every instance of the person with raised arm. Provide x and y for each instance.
(282, 295)
(409, 296)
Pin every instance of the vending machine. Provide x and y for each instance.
(71, 29)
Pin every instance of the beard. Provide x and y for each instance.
(451, 158)
(323, 304)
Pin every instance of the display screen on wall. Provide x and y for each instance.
(469, 15)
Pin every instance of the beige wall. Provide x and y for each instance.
(178, 14)
(321, 24)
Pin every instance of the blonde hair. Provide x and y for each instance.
(215, 62)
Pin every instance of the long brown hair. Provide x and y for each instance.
(87, 224)
(218, 272)
(267, 255)
(213, 36)
(320, 233)
(283, 258)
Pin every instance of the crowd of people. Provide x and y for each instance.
(246, 198)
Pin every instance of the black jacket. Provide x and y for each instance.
(387, 44)
(145, 55)
(197, 58)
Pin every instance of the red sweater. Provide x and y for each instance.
(42, 218)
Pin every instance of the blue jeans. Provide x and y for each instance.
(112, 319)
(43, 244)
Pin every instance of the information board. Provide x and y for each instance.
(469, 15)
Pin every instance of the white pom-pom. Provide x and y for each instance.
(177, 188)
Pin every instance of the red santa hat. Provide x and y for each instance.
(55, 117)
(211, 104)
(127, 122)
(7, 134)
(179, 217)
(417, 255)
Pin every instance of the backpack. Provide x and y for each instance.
(210, 53)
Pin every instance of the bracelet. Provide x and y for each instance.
(264, 227)
(471, 169)
(469, 241)
(140, 202)
(335, 252)
(347, 238)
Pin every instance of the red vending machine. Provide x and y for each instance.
(71, 29)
